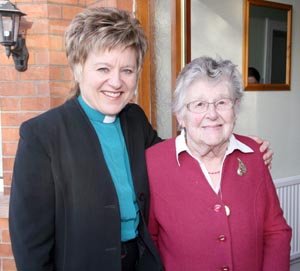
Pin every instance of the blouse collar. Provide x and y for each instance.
(234, 144)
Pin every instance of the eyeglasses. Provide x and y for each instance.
(202, 106)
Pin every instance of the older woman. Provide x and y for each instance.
(213, 204)
(79, 199)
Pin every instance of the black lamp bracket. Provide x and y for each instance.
(20, 54)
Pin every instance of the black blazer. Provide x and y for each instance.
(64, 212)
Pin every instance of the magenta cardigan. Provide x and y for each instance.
(188, 221)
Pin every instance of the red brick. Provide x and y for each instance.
(58, 58)
(38, 41)
(40, 27)
(30, 60)
(3, 223)
(9, 148)
(4, 60)
(58, 27)
(15, 119)
(67, 73)
(5, 236)
(35, 10)
(5, 250)
(36, 73)
(82, 3)
(125, 5)
(19, 88)
(10, 104)
(8, 163)
(60, 88)
(57, 101)
(9, 73)
(56, 43)
(104, 3)
(7, 177)
(42, 88)
(55, 11)
(9, 264)
(6, 191)
(42, 57)
(35, 104)
(7, 183)
(70, 11)
(10, 134)
(56, 73)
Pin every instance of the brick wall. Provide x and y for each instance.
(42, 86)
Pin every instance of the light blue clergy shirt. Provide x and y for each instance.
(109, 132)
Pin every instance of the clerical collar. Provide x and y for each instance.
(109, 119)
(93, 114)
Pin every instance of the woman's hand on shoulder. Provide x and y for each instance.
(265, 147)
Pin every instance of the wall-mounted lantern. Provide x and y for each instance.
(10, 18)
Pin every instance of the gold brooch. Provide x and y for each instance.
(242, 170)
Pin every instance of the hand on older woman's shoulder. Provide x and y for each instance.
(265, 147)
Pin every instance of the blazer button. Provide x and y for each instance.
(141, 196)
(225, 268)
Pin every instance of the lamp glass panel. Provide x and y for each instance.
(7, 28)
(16, 27)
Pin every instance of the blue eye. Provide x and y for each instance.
(104, 69)
(128, 71)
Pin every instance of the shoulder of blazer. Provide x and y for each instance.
(70, 108)
(134, 117)
(50, 122)
(50, 130)
(136, 126)
(133, 110)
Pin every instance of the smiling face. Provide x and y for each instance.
(212, 128)
(109, 79)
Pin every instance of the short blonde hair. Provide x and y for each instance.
(100, 29)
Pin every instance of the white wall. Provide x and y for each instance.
(163, 64)
(217, 30)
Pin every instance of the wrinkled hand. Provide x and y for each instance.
(265, 147)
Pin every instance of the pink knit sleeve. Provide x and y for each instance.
(277, 233)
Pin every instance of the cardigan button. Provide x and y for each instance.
(225, 268)
(217, 208)
(141, 196)
(222, 238)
